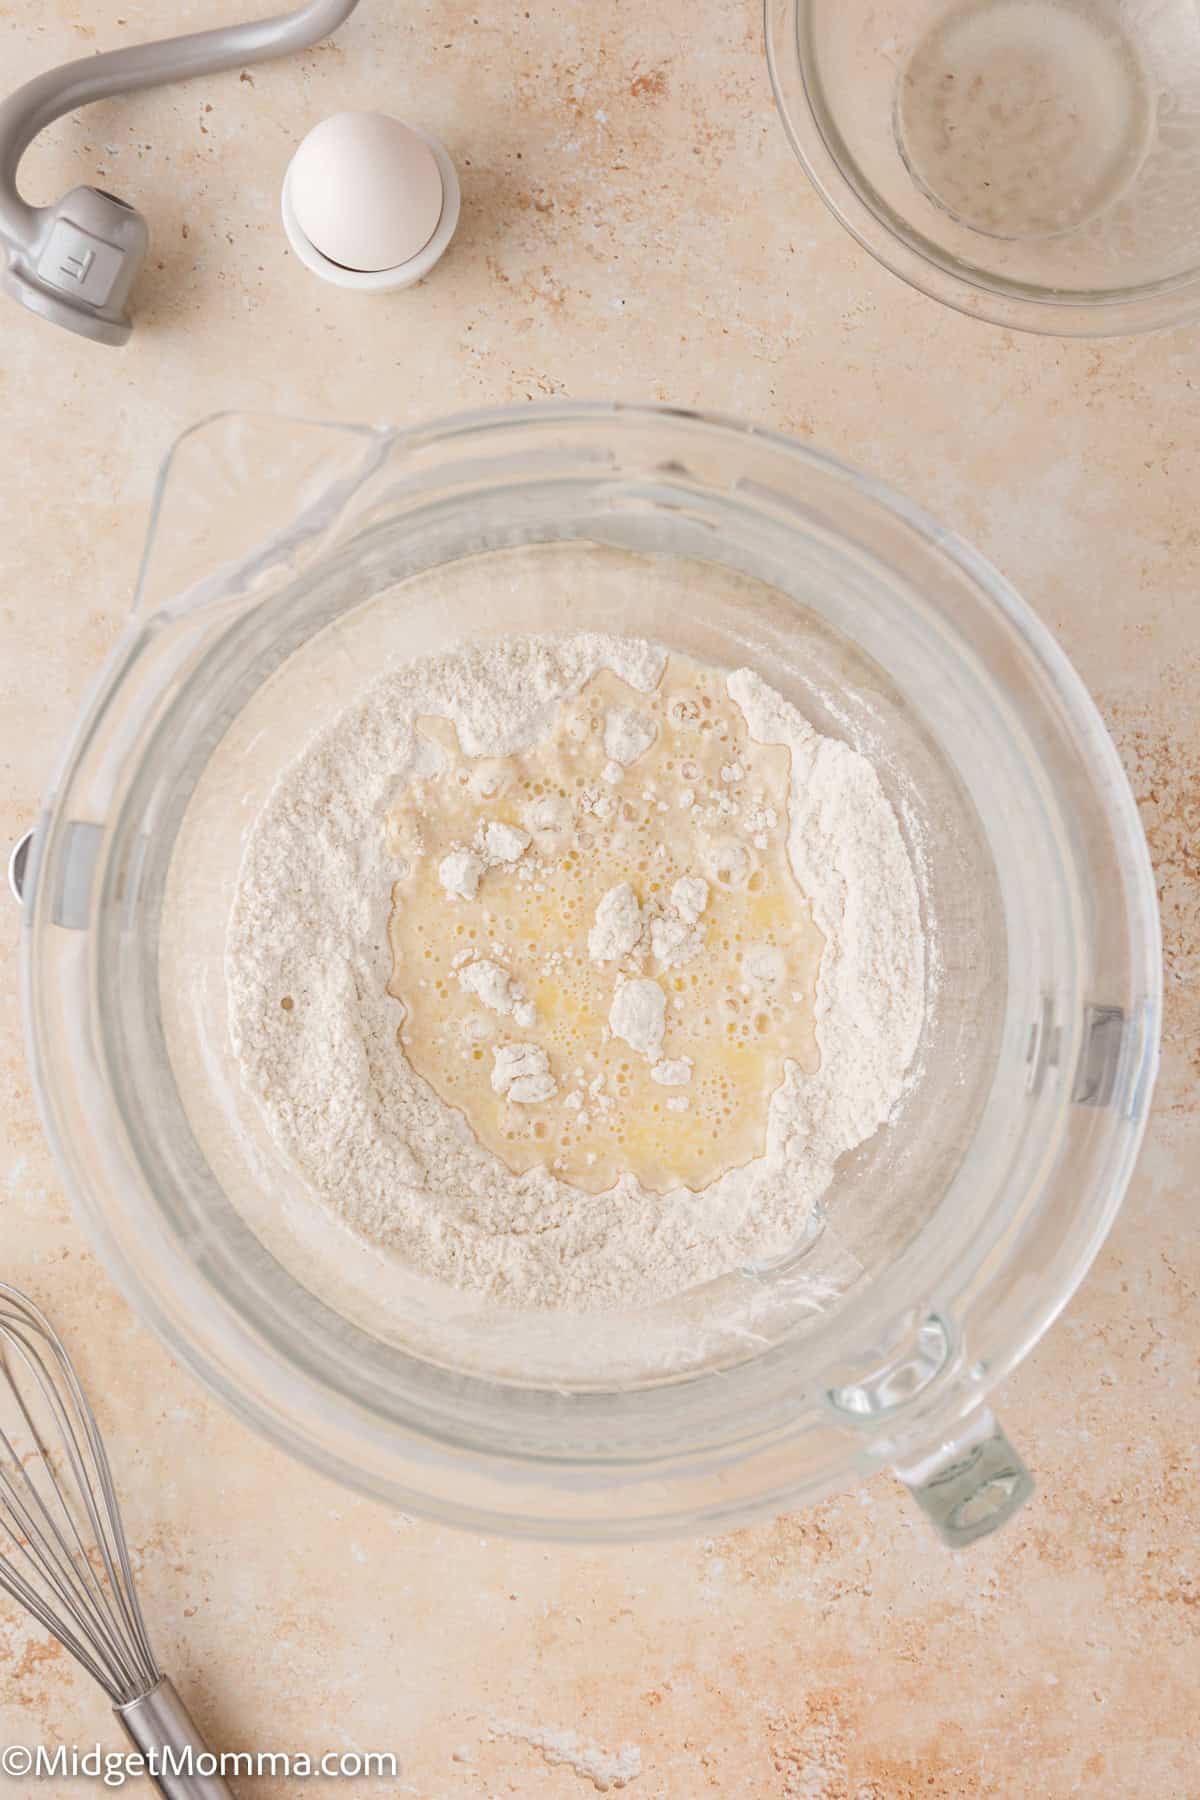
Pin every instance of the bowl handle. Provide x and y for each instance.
(243, 494)
(969, 1484)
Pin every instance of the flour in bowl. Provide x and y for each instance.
(564, 970)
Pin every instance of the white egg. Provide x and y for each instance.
(366, 191)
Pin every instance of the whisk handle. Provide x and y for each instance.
(160, 1721)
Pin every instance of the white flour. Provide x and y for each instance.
(605, 1769)
(315, 1031)
(639, 1015)
(618, 926)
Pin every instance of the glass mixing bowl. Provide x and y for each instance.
(288, 562)
(1031, 162)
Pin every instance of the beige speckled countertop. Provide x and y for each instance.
(634, 225)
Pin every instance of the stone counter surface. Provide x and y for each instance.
(634, 225)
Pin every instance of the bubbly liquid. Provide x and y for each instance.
(1025, 118)
(702, 800)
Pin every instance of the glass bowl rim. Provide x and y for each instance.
(260, 1401)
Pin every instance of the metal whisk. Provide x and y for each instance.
(63, 1554)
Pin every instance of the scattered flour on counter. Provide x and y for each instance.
(605, 1769)
(315, 1030)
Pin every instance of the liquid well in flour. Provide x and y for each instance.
(604, 958)
(309, 959)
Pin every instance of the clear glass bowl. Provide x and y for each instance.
(289, 561)
(1030, 162)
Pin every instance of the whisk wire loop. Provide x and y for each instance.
(68, 1562)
